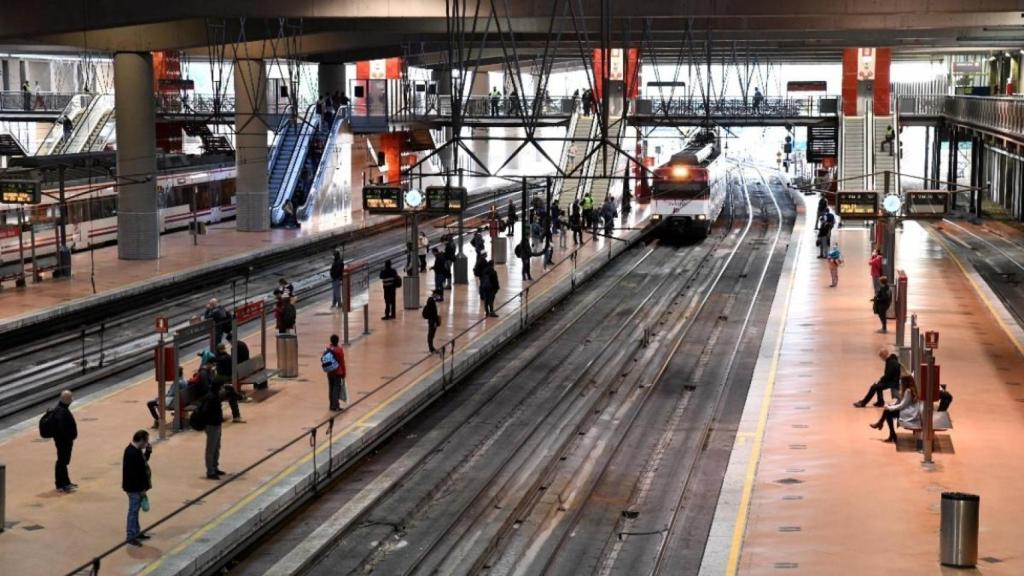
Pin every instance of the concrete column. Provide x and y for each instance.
(251, 146)
(331, 78)
(138, 215)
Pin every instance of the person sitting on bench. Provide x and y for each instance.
(907, 409)
(890, 379)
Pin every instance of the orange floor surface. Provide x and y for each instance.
(50, 532)
(829, 497)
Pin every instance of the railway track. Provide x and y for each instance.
(581, 449)
(34, 371)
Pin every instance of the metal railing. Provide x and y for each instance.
(486, 107)
(329, 162)
(16, 100)
(820, 106)
(1000, 114)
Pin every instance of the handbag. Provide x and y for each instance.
(145, 503)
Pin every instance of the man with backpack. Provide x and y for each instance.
(59, 424)
(432, 317)
(209, 417)
(333, 363)
(391, 282)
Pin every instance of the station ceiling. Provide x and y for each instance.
(345, 30)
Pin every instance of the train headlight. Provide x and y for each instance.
(680, 172)
(701, 217)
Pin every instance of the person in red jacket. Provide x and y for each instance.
(337, 390)
(875, 263)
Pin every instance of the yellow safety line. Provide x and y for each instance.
(977, 289)
(762, 423)
(277, 478)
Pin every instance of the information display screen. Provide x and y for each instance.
(927, 203)
(854, 205)
(20, 192)
(445, 200)
(382, 199)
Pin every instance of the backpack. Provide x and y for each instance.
(195, 419)
(328, 362)
(48, 425)
(519, 250)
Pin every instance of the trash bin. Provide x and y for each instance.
(287, 355)
(63, 262)
(958, 537)
(500, 250)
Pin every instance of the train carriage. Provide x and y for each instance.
(690, 189)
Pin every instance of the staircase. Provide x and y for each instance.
(852, 164)
(883, 160)
(604, 163)
(582, 132)
(212, 143)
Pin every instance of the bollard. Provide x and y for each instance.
(366, 318)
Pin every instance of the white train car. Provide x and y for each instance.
(690, 189)
(92, 209)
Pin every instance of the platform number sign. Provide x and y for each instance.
(162, 324)
(931, 339)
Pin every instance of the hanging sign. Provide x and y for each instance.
(378, 69)
(866, 64)
(616, 68)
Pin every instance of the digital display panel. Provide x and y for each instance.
(382, 199)
(445, 200)
(855, 205)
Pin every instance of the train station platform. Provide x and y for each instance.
(390, 373)
(99, 274)
(810, 487)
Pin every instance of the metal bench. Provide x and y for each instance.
(254, 371)
(941, 422)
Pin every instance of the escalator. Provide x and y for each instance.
(853, 160)
(75, 111)
(582, 131)
(88, 127)
(288, 159)
(604, 162)
(331, 188)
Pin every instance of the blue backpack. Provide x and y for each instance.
(328, 362)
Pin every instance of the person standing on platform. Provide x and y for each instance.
(449, 259)
(391, 282)
(440, 269)
(511, 220)
(221, 318)
(284, 315)
(825, 233)
(422, 251)
(477, 243)
(212, 417)
(875, 263)
(333, 362)
(136, 481)
(489, 287)
(337, 274)
(890, 379)
(576, 223)
(822, 207)
(588, 209)
(432, 317)
(65, 432)
(881, 301)
(524, 251)
(835, 260)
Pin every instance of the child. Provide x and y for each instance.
(835, 260)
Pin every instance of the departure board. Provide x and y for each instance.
(20, 192)
(382, 199)
(446, 200)
(853, 205)
(927, 203)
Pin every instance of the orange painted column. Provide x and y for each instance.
(883, 60)
(850, 81)
(391, 146)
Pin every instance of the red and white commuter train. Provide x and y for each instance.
(690, 189)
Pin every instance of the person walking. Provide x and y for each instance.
(875, 264)
(432, 317)
(758, 100)
(26, 96)
(489, 286)
(65, 432)
(391, 282)
(423, 244)
(333, 362)
(337, 274)
(825, 233)
(212, 417)
(587, 204)
(511, 220)
(881, 301)
(440, 269)
(835, 260)
(450, 251)
(576, 223)
(524, 251)
(136, 481)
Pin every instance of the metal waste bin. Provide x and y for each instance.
(500, 250)
(287, 355)
(63, 262)
(958, 538)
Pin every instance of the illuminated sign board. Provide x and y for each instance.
(854, 205)
(20, 192)
(382, 199)
(446, 200)
(927, 203)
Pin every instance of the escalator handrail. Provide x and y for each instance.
(321, 169)
(275, 147)
(55, 133)
(96, 111)
(295, 160)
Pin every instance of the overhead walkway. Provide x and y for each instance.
(998, 116)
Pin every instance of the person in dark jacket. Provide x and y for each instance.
(881, 301)
(212, 417)
(489, 287)
(576, 223)
(337, 273)
(136, 481)
(440, 269)
(65, 433)
(450, 251)
(390, 281)
(511, 220)
(890, 379)
(241, 348)
(477, 243)
(432, 317)
(223, 381)
(221, 318)
(284, 315)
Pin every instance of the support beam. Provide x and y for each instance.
(251, 146)
(138, 215)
